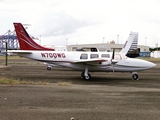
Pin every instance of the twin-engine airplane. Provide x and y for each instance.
(80, 60)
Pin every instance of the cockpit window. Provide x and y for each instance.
(84, 56)
(94, 56)
(105, 56)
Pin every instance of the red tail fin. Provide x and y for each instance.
(25, 41)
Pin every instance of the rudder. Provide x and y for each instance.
(131, 43)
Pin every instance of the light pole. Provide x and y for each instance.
(66, 42)
(117, 38)
(40, 40)
(145, 41)
(103, 39)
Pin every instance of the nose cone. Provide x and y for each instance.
(145, 64)
(151, 64)
(137, 64)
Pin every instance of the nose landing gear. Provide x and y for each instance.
(49, 67)
(135, 76)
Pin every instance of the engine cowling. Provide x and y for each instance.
(106, 63)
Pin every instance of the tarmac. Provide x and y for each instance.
(65, 96)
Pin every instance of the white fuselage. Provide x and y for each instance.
(95, 61)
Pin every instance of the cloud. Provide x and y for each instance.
(84, 21)
(56, 24)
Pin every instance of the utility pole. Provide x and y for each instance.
(145, 41)
(6, 53)
(40, 40)
(117, 39)
(103, 39)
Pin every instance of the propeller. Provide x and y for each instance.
(113, 54)
(113, 59)
(113, 62)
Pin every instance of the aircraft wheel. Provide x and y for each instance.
(49, 68)
(82, 75)
(135, 77)
(87, 77)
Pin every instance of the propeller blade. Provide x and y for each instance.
(112, 63)
(113, 67)
(113, 53)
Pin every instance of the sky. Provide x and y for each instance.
(61, 22)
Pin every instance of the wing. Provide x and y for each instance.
(95, 61)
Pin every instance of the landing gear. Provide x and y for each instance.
(85, 75)
(82, 75)
(49, 67)
(134, 76)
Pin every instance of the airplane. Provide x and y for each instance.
(129, 47)
(82, 61)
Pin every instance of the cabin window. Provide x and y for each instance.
(84, 56)
(105, 56)
(94, 56)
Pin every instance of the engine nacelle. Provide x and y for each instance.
(106, 63)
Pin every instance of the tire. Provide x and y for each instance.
(49, 68)
(82, 75)
(135, 77)
(87, 77)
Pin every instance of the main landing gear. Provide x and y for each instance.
(85, 75)
(134, 76)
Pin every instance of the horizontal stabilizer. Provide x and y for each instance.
(19, 52)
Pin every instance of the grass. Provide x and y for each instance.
(10, 81)
(11, 57)
(150, 59)
(18, 63)
(64, 84)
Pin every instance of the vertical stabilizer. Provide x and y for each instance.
(131, 43)
(25, 41)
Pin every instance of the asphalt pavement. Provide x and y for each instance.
(108, 96)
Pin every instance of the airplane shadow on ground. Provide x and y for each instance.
(98, 81)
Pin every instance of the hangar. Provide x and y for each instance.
(105, 47)
(144, 50)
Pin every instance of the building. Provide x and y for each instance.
(144, 50)
(155, 54)
(105, 47)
